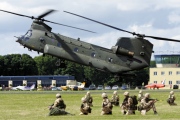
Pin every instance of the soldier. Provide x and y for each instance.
(127, 105)
(140, 96)
(171, 98)
(106, 105)
(85, 108)
(89, 99)
(58, 107)
(147, 104)
(115, 98)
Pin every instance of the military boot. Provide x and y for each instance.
(155, 112)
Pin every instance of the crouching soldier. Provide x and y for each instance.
(58, 107)
(147, 104)
(115, 98)
(106, 105)
(89, 99)
(127, 106)
(171, 98)
(85, 108)
(140, 96)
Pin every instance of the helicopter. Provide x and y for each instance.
(128, 54)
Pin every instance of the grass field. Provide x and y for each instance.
(33, 105)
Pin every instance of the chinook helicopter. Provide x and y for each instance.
(128, 54)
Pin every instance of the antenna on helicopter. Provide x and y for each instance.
(133, 33)
(41, 18)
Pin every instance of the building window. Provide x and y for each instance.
(170, 72)
(170, 82)
(178, 82)
(178, 73)
(155, 73)
(155, 82)
(162, 73)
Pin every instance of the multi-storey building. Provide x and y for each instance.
(167, 68)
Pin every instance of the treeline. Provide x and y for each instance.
(22, 65)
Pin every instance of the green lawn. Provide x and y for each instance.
(33, 105)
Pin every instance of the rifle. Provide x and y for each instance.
(153, 99)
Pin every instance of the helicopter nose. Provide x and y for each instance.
(19, 39)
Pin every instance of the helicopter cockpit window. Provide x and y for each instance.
(93, 54)
(28, 34)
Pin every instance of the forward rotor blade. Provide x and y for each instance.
(161, 38)
(69, 26)
(18, 14)
(45, 14)
(99, 22)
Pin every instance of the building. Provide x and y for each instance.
(48, 80)
(167, 68)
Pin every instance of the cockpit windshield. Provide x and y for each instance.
(28, 34)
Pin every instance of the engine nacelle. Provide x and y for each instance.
(122, 51)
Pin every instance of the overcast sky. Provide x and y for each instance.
(151, 17)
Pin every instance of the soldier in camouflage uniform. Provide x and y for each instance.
(147, 104)
(127, 105)
(85, 108)
(140, 95)
(89, 99)
(106, 105)
(115, 98)
(58, 107)
(171, 98)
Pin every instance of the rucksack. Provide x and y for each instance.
(134, 98)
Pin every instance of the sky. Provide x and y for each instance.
(150, 17)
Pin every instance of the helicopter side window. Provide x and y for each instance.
(76, 49)
(93, 54)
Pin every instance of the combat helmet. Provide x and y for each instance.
(126, 93)
(58, 95)
(104, 95)
(140, 92)
(83, 99)
(172, 92)
(88, 93)
(115, 92)
(147, 95)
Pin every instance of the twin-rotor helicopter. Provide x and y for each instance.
(128, 54)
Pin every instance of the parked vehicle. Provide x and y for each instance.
(107, 87)
(92, 87)
(124, 87)
(55, 88)
(100, 87)
(115, 87)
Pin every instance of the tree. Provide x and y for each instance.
(16, 64)
(46, 64)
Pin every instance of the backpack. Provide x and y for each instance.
(134, 98)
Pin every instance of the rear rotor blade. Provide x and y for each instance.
(45, 14)
(161, 38)
(99, 22)
(133, 33)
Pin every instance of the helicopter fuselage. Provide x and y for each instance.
(118, 59)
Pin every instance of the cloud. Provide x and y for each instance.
(155, 18)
